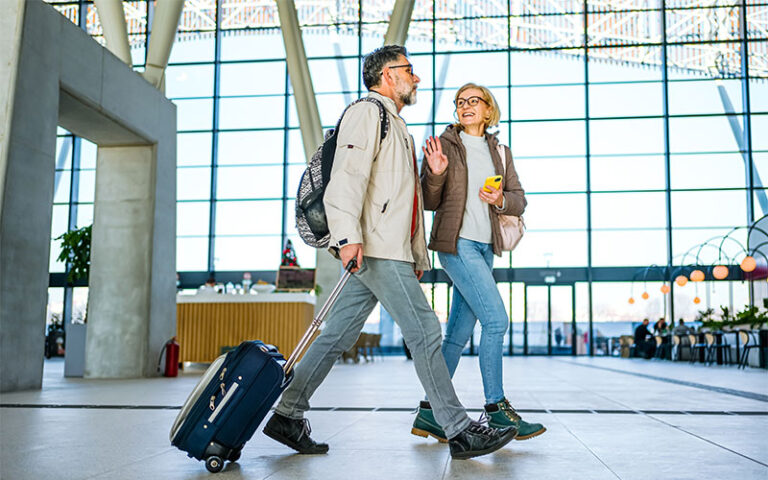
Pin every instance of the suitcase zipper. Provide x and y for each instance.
(224, 401)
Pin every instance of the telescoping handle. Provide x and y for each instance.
(318, 320)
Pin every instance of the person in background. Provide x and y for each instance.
(660, 327)
(644, 341)
(466, 236)
(681, 328)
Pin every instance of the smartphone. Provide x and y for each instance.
(494, 181)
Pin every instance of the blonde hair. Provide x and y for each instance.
(487, 96)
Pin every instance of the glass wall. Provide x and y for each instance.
(636, 127)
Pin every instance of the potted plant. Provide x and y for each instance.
(76, 252)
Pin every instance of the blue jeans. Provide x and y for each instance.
(394, 284)
(475, 297)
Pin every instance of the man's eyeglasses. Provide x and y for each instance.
(407, 65)
(472, 101)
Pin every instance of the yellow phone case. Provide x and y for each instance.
(494, 181)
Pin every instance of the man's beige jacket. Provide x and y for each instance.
(369, 199)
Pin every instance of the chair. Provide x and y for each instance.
(679, 345)
(749, 341)
(355, 350)
(696, 346)
(659, 350)
(373, 342)
(715, 345)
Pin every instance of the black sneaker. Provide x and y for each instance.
(477, 439)
(294, 434)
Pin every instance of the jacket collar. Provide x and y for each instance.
(389, 104)
(451, 134)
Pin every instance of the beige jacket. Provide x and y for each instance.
(369, 199)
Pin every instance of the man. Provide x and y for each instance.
(374, 209)
(644, 341)
(681, 328)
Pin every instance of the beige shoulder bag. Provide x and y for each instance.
(512, 226)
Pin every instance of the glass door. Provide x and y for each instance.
(549, 327)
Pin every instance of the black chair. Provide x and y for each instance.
(696, 346)
(749, 341)
(681, 343)
(716, 343)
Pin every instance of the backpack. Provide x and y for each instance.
(311, 221)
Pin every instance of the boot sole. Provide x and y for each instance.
(288, 443)
(534, 434)
(423, 433)
(466, 455)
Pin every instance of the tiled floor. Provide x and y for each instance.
(606, 419)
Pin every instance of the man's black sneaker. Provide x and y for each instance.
(477, 439)
(293, 433)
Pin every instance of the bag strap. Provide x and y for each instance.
(500, 148)
(383, 118)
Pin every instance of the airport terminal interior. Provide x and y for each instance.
(150, 157)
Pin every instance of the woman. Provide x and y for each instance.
(465, 234)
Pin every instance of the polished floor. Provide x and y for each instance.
(606, 418)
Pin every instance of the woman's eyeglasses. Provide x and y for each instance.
(472, 101)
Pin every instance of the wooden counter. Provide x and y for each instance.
(207, 322)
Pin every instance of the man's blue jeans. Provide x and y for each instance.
(475, 297)
(394, 284)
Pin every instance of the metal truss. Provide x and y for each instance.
(704, 37)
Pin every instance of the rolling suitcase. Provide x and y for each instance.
(235, 394)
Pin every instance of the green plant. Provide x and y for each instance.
(752, 316)
(76, 252)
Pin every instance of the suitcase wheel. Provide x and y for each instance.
(235, 455)
(214, 464)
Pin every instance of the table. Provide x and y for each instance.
(207, 322)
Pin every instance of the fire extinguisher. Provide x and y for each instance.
(171, 349)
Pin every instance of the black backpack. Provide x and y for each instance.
(311, 221)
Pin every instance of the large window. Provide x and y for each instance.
(637, 129)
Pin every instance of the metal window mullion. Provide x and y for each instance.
(214, 141)
(747, 130)
(667, 153)
(286, 144)
(588, 166)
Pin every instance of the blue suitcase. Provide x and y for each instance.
(235, 394)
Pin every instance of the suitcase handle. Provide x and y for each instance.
(318, 320)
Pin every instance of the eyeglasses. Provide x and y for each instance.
(472, 101)
(407, 65)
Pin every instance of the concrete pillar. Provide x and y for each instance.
(11, 23)
(162, 35)
(56, 73)
(397, 31)
(31, 55)
(112, 17)
(120, 263)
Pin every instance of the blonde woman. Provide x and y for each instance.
(465, 234)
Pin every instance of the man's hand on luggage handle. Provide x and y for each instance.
(350, 251)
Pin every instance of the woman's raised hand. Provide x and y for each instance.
(436, 159)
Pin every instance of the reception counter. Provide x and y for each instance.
(207, 322)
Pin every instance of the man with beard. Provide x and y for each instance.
(375, 215)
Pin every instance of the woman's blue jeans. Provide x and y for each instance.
(475, 297)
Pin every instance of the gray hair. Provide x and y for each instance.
(375, 61)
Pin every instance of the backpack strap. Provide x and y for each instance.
(383, 118)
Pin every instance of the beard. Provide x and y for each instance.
(409, 98)
(406, 93)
